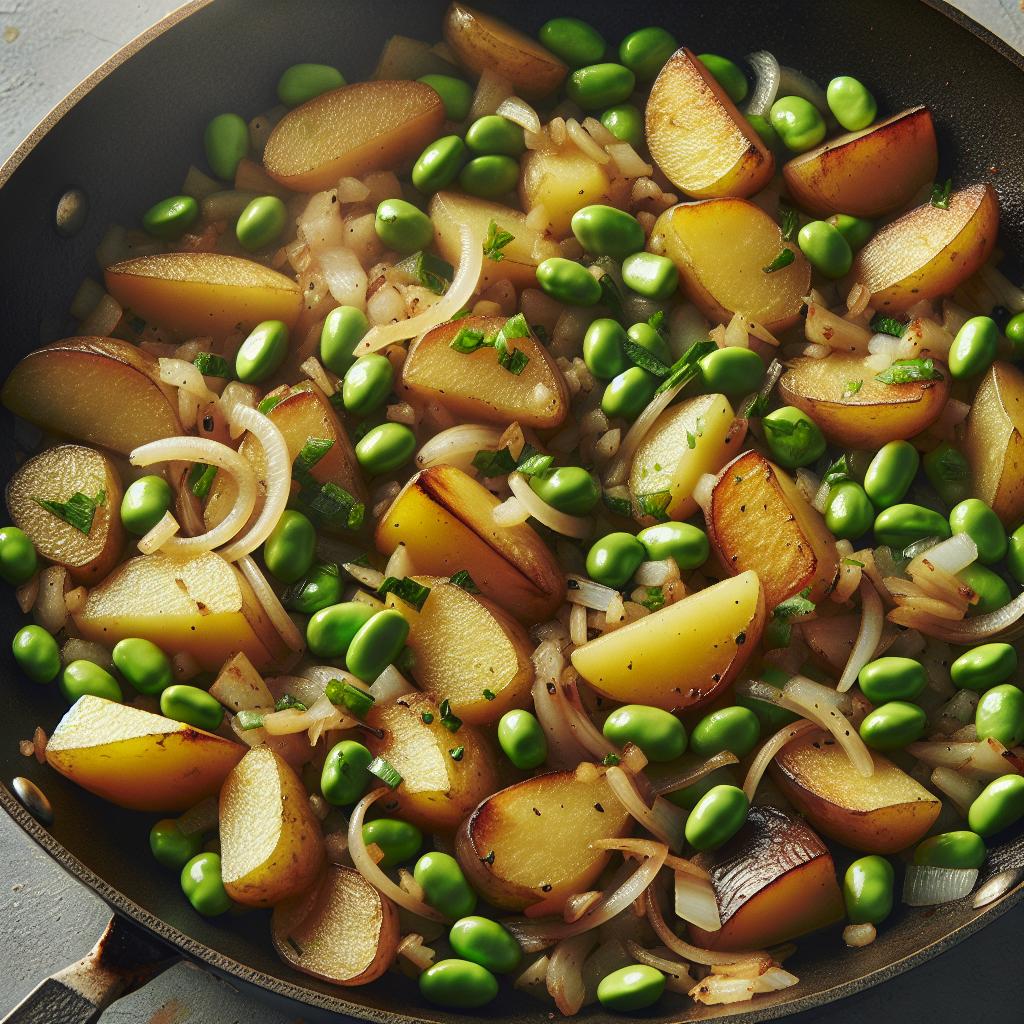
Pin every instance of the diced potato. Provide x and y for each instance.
(203, 293)
(59, 387)
(482, 41)
(775, 881)
(139, 760)
(831, 638)
(883, 813)
(875, 414)
(683, 655)
(444, 518)
(404, 57)
(758, 520)
(343, 931)
(721, 247)
(868, 172)
(929, 251)
(539, 832)
(699, 139)
(664, 461)
(473, 387)
(465, 646)
(239, 687)
(271, 846)
(55, 475)
(437, 791)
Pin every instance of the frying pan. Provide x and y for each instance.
(126, 135)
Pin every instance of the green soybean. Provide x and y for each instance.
(607, 231)
(1014, 554)
(890, 473)
(893, 725)
(644, 335)
(344, 777)
(984, 667)
(646, 51)
(626, 123)
(439, 164)
(569, 489)
(171, 218)
(226, 141)
(288, 551)
(402, 226)
(487, 943)
(320, 587)
(961, 849)
(851, 103)
(522, 739)
(848, 510)
(568, 282)
(573, 40)
(629, 393)
(856, 230)
(660, 735)
(456, 95)
(398, 840)
(376, 644)
(999, 805)
(974, 348)
(600, 85)
(493, 135)
(735, 729)
(892, 678)
(191, 705)
(367, 384)
(769, 136)
(489, 177)
(144, 504)
(797, 122)
(143, 664)
(1000, 715)
(604, 348)
(458, 984)
(614, 558)
(17, 556)
(444, 885)
(262, 352)
(727, 74)
(973, 517)
(260, 224)
(825, 248)
(793, 437)
(731, 371)
(716, 817)
(385, 448)
(170, 846)
(687, 544)
(900, 525)
(991, 589)
(303, 82)
(654, 277)
(36, 653)
(1014, 332)
(330, 631)
(868, 890)
(343, 329)
(948, 472)
(83, 678)
(631, 988)
(202, 883)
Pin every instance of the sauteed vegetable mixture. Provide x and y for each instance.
(549, 513)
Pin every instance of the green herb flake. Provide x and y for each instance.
(467, 340)
(249, 720)
(457, 752)
(385, 771)
(449, 719)
(271, 402)
(540, 332)
(654, 600)
(639, 356)
(656, 321)
(610, 760)
(687, 366)
(78, 511)
(210, 365)
(334, 506)
(429, 270)
(798, 605)
(789, 222)
(489, 695)
(941, 193)
(411, 592)
(342, 693)
(654, 504)
(534, 464)
(200, 479)
(837, 472)
(465, 581)
(785, 257)
(906, 371)
(288, 702)
(853, 561)
(427, 717)
(620, 506)
(882, 324)
(852, 388)
(496, 240)
(501, 463)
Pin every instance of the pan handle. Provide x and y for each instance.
(124, 958)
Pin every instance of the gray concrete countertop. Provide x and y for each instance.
(48, 920)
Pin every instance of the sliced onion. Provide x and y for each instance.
(578, 904)
(927, 886)
(413, 949)
(159, 535)
(271, 603)
(510, 512)
(629, 162)
(567, 699)
(656, 574)
(951, 555)
(564, 978)
(519, 112)
(564, 748)
(672, 783)
(665, 825)
(186, 377)
(585, 143)
(578, 625)
(292, 720)
(767, 74)
(313, 368)
(456, 446)
(560, 522)
(372, 578)
(817, 694)
(962, 792)
(833, 720)
(236, 394)
(702, 492)
(589, 594)
(673, 969)
(823, 327)
(1004, 624)
(618, 470)
(796, 83)
(870, 633)
(696, 902)
(389, 685)
(695, 954)
(767, 753)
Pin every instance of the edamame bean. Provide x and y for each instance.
(36, 653)
(999, 805)
(144, 504)
(631, 988)
(727, 74)
(202, 883)
(851, 103)
(320, 587)
(650, 275)
(386, 447)
(600, 85)
(629, 393)
(960, 849)
(344, 777)
(793, 437)
(660, 735)
(603, 348)
(260, 224)
(731, 371)
(493, 135)
(900, 525)
(948, 472)
(825, 248)
(456, 95)
(487, 943)
(262, 352)
(303, 82)
(646, 51)
(893, 725)
(687, 544)
(716, 817)
(226, 141)
(444, 885)
(973, 517)
(171, 218)
(797, 123)
(735, 729)
(868, 889)
(367, 384)
(974, 348)
(991, 589)
(83, 678)
(890, 473)
(856, 230)
(458, 984)
(17, 556)
(439, 164)
(522, 739)
(648, 338)
(573, 40)
(143, 664)
(170, 846)
(1000, 715)
(769, 136)
(376, 645)
(984, 667)
(191, 705)
(402, 226)
(288, 551)
(343, 329)
(1014, 332)
(570, 489)
(1014, 554)
(489, 177)
(607, 231)
(626, 123)
(848, 510)
(892, 678)
(614, 558)
(330, 631)
(568, 282)
(398, 840)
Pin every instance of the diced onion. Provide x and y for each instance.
(271, 603)
(159, 535)
(952, 555)
(696, 902)
(560, 522)
(823, 327)
(766, 83)
(322, 712)
(585, 142)
(856, 936)
(656, 574)
(77, 649)
(927, 886)
(629, 162)
(962, 792)
(590, 594)
(389, 685)
(868, 635)
(519, 112)
(50, 610)
(767, 753)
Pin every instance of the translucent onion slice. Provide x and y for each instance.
(235, 394)
(870, 633)
(560, 522)
(389, 685)
(564, 978)
(1002, 624)
(456, 446)
(702, 491)
(796, 83)
(928, 886)
(50, 609)
(519, 112)
(696, 902)
(371, 578)
(567, 699)
(766, 82)
(672, 783)
(666, 825)
(292, 720)
(656, 574)
(156, 537)
(677, 974)
(832, 719)
(695, 954)
(951, 555)
(511, 512)
(186, 377)
(589, 594)
(767, 753)
(564, 749)
(585, 143)
(271, 603)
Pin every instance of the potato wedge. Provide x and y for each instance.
(883, 813)
(436, 791)
(540, 833)
(271, 846)
(868, 172)
(929, 251)
(343, 931)
(875, 414)
(482, 41)
(665, 461)
(56, 387)
(473, 387)
(721, 247)
(698, 138)
(55, 475)
(774, 880)
(683, 655)
(443, 516)
(139, 760)
(758, 520)
(203, 293)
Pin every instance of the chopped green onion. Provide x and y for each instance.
(342, 693)
(385, 771)
(467, 340)
(271, 402)
(514, 360)
(941, 193)
(534, 464)
(249, 720)
(646, 360)
(620, 506)
(427, 717)
(457, 752)
(464, 580)
(852, 387)
(210, 365)
(799, 604)
(489, 695)
(449, 719)
(501, 463)
(287, 702)
(882, 324)
(429, 270)
(200, 479)
(785, 257)
(906, 371)
(656, 321)
(610, 760)
(411, 592)
(334, 506)
(78, 511)
(853, 561)
(655, 599)
(687, 366)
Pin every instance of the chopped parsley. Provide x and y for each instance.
(854, 562)
(288, 702)
(411, 592)
(837, 472)
(489, 695)
(610, 760)
(449, 719)
(654, 504)
(785, 257)
(465, 581)
(457, 752)
(882, 324)
(852, 387)
(496, 240)
(210, 365)
(941, 193)
(501, 463)
(78, 511)
(427, 717)
(654, 600)
(468, 339)
(780, 630)
(906, 371)
(271, 402)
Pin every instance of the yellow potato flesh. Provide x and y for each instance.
(56, 387)
(698, 138)
(347, 132)
(139, 760)
(721, 247)
(683, 655)
(203, 293)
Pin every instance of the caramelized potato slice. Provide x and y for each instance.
(444, 518)
(699, 139)
(759, 520)
(683, 655)
(482, 41)
(56, 388)
(465, 646)
(55, 475)
(540, 832)
(929, 251)
(868, 172)
(474, 386)
(884, 813)
(721, 247)
(203, 293)
(875, 414)
(139, 760)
